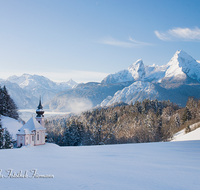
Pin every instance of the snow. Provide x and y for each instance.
(193, 135)
(128, 94)
(155, 72)
(11, 124)
(31, 125)
(105, 101)
(137, 70)
(183, 65)
(149, 166)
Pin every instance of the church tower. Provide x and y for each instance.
(40, 114)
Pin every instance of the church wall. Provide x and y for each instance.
(20, 140)
(41, 140)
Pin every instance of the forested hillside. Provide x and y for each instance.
(147, 121)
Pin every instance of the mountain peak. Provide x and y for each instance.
(137, 69)
(181, 57)
(182, 65)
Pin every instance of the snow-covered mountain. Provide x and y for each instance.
(138, 90)
(26, 89)
(180, 66)
(134, 72)
(29, 82)
(158, 81)
(176, 81)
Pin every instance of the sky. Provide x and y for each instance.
(88, 39)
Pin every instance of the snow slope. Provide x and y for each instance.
(137, 90)
(149, 166)
(11, 124)
(193, 135)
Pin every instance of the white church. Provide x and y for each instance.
(33, 132)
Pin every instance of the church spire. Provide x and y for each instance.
(40, 104)
(40, 110)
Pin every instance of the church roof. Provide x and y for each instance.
(31, 125)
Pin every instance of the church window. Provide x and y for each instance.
(32, 138)
(38, 136)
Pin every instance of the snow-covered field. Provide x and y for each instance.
(171, 165)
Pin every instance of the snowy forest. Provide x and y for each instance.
(146, 121)
(7, 108)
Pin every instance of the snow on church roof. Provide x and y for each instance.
(30, 126)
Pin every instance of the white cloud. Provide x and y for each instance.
(184, 34)
(138, 43)
(129, 44)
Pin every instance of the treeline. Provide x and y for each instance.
(7, 108)
(147, 121)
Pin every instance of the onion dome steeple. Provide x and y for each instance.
(40, 110)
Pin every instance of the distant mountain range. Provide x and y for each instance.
(26, 89)
(175, 81)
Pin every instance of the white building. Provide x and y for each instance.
(33, 132)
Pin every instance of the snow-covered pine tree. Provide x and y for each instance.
(1, 135)
(186, 115)
(7, 139)
(7, 105)
(73, 134)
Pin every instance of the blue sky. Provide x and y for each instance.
(88, 39)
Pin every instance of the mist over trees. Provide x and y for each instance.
(146, 121)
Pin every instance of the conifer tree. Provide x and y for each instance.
(186, 115)
(7, 139)
(7, 105)
(1, 136)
